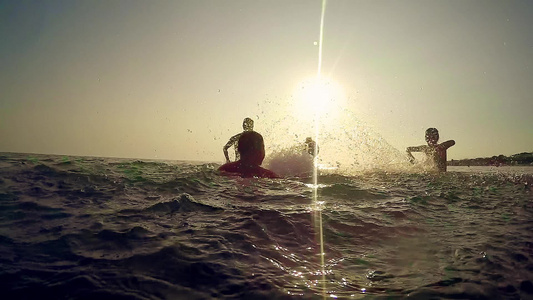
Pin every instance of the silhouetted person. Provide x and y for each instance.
(252, 152)
(310, 146)
(247, 125)
(435, 152)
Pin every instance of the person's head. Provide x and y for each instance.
(248, 124)
(432, 136)
(308, 140)
(251, 148)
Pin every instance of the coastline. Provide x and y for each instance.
(519, 159)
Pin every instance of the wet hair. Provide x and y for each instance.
(248, 124)
(250, 142)
(432, 133)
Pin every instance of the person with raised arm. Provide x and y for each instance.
(435, 152)
(247, 125)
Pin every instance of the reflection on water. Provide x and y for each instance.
(112, 228)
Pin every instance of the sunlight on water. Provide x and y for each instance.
(346, 145)
(264, 239)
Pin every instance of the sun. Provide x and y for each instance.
(317, 97)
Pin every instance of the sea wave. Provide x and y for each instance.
(86, 228)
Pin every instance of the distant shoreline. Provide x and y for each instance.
(31, 154)
(520, 159)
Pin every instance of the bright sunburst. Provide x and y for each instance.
(317, 97)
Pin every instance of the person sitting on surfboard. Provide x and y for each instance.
(247, 125)
(434, 151)
(251, 148)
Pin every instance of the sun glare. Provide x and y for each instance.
(317, 97)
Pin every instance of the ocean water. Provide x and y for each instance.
(105, 228)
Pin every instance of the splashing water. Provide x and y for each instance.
(348, 145)
(345, 144)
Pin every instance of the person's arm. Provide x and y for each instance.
(225, 149)
(230, 143)
(414, 149)
(447, 144)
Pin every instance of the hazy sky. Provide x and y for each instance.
(174, 79)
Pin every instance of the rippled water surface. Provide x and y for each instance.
(102, 228)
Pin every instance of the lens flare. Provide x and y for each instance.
(315, 169)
